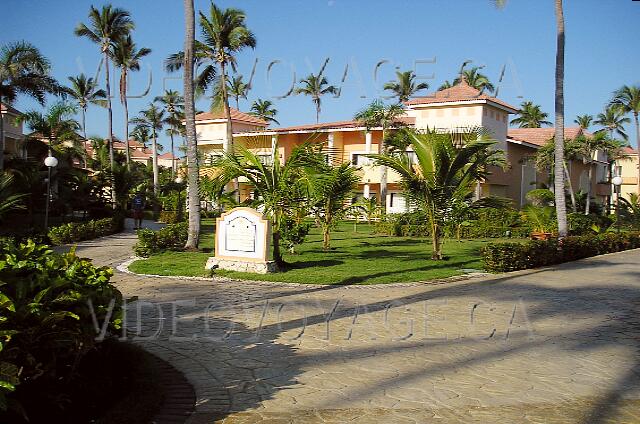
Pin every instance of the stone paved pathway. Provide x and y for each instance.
(544, 346)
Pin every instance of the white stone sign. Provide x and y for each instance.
(242, 242)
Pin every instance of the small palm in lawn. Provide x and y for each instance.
(628, 98)
(476, 79)
(368, 206)
(613, 120)
(23, 70)
(315, 86)
(264, 110)
(173, 105)
(584, 121)
(105, 27)
(271, 182)
(405, 86)
(378, 115)
(331, 188)
(127, 56)
(152, 119)
(445, 172)
(531, 116)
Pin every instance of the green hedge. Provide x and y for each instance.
(503, 257)
(171, 237)
(171, 217)
(46, 323)
(79, 231)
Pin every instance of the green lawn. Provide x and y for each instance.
(356, 258)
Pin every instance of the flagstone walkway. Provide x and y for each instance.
(544, 346)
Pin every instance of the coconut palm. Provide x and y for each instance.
(368, 206)
(127, 56)
(545, 160)
(152, 119)
(445, 85)
(588, 146)
(476, 79)
(83, 90)
(331, 188)
(628, 98)
(378, 115)
(238, 89)
(612, 120)
(264, 110)
(445, 172)
(105, 27)
(173, 104)
(583, 121)
(315, 86)
(141, 134)
(23, 70)
(530, 116)
(404, 87)
(56, 125)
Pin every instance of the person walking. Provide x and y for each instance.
(137, 206)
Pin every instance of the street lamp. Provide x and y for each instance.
(617, 182)
(50, 163)
(179, 182)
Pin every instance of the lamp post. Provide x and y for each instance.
(617, 182)
(179, 183)
(50, 163)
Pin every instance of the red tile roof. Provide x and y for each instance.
(540, 136)
(461, 92)
(236, 115)
(628, 150)
(133, 144)
(167, 156)
(320, 126)
(144, 154)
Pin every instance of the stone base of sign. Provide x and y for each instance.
(241, 266)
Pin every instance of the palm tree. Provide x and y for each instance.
(445, 85)
(83, 91)
(587, 147)
(238, 89)
(9, 198)
(475, 79)
(331, 188)
(405, 86)
(545, 160)
(188, 63)
(142, 135)
(584, 121)
(377, 115)
(315, 86)
(153, 119)
(369, 207)
(613, 121)
(628, 98)
(127, 57)
(531, 116)
(264, 109)
(56, 125)
(23, 70)
(446, 172)
(173, 104)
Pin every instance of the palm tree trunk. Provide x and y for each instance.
(1, 136)
(110, 122)
(227, 114)
(277, 255)
(317, 112)
(326, 238)
(154, 161)
(125, 104)
(589, 176)
(190, 125)
(561, 205)
(173, 155)
(635, 118)
(84, 134)
(383, 176)
(567, 176)
(436, 242)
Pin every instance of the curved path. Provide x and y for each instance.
(556, 346)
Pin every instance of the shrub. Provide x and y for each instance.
(79, 231)
(581, 224)
(171, 217)
(502, 257)
(171, 237)
(293, 233)
(46, 322)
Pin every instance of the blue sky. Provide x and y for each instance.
(432, 36)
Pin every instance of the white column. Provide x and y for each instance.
(330, 140)
(367, 141)
(367, 192)
(274, 144)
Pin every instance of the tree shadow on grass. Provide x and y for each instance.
(311, 264)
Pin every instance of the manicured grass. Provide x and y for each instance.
(355, 258)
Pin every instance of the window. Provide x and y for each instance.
(266, 158)
(358, 159)
(617, 171)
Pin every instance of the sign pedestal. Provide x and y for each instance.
(242, 242)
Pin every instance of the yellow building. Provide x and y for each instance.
(627, 168)
(13, 136)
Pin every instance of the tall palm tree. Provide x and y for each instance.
(153, 119)
(476, 79)
(628, 98)
(142, 135)
(188, 63)
(264, 109)
(583, 121)
(378, 115)
(127, 56)
(23, 70)
(445, 173)
(530, 116)
(404, 87)
(238, 89)
(173, 104)
(315, 86)
(83, 90)
(613, 120)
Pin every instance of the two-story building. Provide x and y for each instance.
(13, 137)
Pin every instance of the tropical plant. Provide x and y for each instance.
(445, 171)
(368, 206)
(56, 125)
(9, 199)
(23, 70)
(612, 120)
(404, 87)
(540, 197)
(331, 188)
(141, 134)
(127, 56)
(105, 27)
(530, 116)
(315, 86)
(153, 119)
(475, 79)
(264, 110)
(630, 209)
(173, 104)
(545, 161)
(445, 85)
(541, 218)
(584, 121)
(587, 147)
(83, 90)
(628, 99)
(378, 115)
(238, 89)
